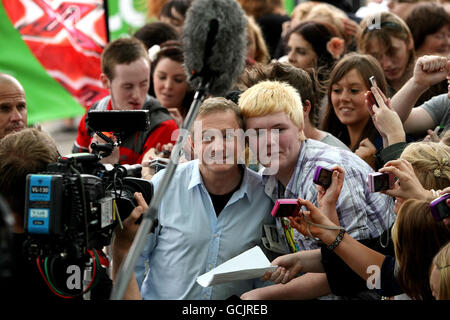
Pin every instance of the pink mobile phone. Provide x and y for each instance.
(285, 208)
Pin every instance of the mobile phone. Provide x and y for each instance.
(371, 97)
(439, 207)
(158, 164)
(322, 176)
(373, 83)
(285, 208)
(380, 181)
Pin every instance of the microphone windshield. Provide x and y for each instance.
(226, 58)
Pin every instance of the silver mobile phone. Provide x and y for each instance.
(372, 99)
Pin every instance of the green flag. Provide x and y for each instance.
(289, 5)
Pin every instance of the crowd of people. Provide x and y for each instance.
(357, 92)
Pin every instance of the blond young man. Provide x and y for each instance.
(274, 111)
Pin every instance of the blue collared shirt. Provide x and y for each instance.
(190, 239)
(363, 214)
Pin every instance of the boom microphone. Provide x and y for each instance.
(214, 40)
(223, 60)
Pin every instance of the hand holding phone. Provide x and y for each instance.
(322, 176)
(379, 181)
(285, 208)
(371, 97)
(158, 164)
(384, 118)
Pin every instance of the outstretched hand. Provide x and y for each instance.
(289, 266)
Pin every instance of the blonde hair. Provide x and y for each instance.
(301, 10)
(268, 97)
(442, 263)
(431, 163)
(328, 13)
(445, 138)
(321, 12)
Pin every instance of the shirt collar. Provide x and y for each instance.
(196, 179)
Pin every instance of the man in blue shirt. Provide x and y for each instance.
(214, 209)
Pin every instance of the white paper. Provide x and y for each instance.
(248, 265)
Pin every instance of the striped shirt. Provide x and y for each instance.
(363, 214)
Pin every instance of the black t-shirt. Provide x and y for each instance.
(220, 200)
(388, 279)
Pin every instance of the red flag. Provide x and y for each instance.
(67, 38)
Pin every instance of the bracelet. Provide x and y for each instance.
(338, 240)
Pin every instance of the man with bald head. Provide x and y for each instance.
(13, 107)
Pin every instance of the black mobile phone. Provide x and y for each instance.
(159, 164)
